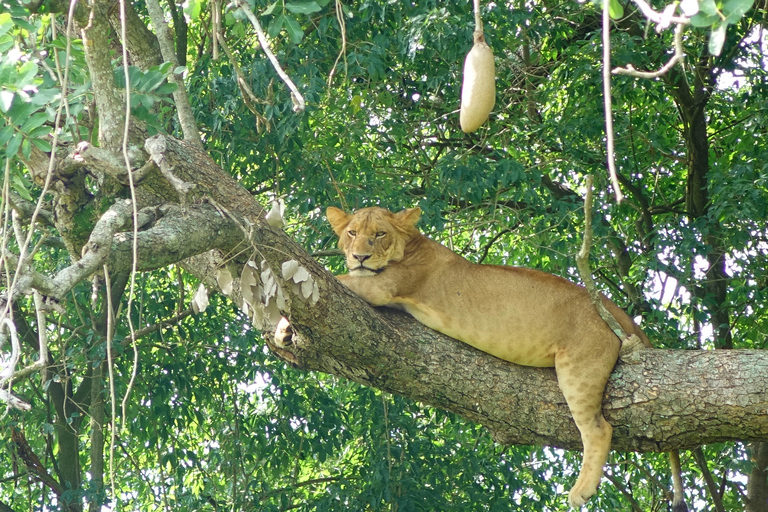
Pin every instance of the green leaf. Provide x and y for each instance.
(735, 9)
(615, 9)
(294, 30)
(701, 19)
(45, 96)
(164, 68)
(6, 43)
(135, 75)
(18, 184)
(13, 146)
(269, 10)
(6, 23)
(166, 88)
(8, 74)
(708, 7)
(27, 73)
(42, 144)
(20, 112)
(34, 121)
(276, 26)
(26, 148)
(193, 8)
(150, 81)
(5, 135)
(303, 7)
(717, 38)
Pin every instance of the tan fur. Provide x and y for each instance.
(521, 315)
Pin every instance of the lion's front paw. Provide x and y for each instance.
(579, 495)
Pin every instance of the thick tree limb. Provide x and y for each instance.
(656, 400)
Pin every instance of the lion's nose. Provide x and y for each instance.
(361, 257)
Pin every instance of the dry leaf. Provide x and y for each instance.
(249, 284)
(200, 300)
(275, 215)
(306, 288)
(301, 274)
(289, 268)
(224, 280)
(315, 294)
(258, 316)
(271, 315)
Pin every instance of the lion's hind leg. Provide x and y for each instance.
(582, 382)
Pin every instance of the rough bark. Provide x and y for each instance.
(96, 37)
(656, 400)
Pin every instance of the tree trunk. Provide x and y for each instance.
(757, 486)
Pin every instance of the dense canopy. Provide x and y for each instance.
(136, 375)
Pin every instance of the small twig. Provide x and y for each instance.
(492, 241)
(343, 51)
(25, 209)
(249, 96)
(607, 102)
(215, 26)
(679, 56)
(327, 252)
(8, 371)
(662, 19)
(14, 401)
(162, 324)
(42, 339)
(296, 97)
(622, 488)
(582, 263)
(701, 461)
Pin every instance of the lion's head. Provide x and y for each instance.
(371, 238)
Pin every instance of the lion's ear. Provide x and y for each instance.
(338, 219)
(409, 217)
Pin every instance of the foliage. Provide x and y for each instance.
(214, 421)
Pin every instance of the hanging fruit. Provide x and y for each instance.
(478, 90)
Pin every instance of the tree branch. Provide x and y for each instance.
(96, 38)
(679, 56)
(183, 109)
(177, 235)
(656, 400)
(296, 97)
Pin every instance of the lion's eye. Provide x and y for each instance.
(352, 232)
(380, 234)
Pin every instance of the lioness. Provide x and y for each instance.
(538, 319)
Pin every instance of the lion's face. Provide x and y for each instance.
(371, 238)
